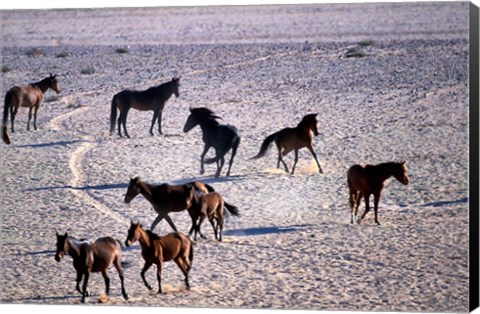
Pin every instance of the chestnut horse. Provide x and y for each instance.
(165, 198)
(91, 257)
(289, 139)
(156, 250)
(30, 96)
(153, 99)
(209, 205)
(368, 180)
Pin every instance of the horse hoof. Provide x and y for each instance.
(125, 296)
(149, 287)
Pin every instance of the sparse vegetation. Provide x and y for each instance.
(366, 43)
(6, 69)
(355, 52)
(63, 54)
(35, 52)
(88, 70)
(122, 50)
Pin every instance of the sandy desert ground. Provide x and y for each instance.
(260, 68)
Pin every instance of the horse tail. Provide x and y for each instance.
(209, 188)
(265, 145)
(113, 115)
(212, 160)
(232, 209)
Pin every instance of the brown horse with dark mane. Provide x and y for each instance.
(153, 99)
(165, 198)
(92, 257)
(30, 96)
(209, 205)
(368, 180)
(289, 139)
(156, 250)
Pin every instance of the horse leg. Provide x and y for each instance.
(170, 222)
(220, 164)
(367, 206)
(119, 123)
(79, 279)
(351, 197)
(359, 198)
(29, 118)
(280, 159)
(124, 122)
(182, 264)
(142, 274)
(35, 110)
(13, 113)
(157, 220)
(85, 283)
(376, 200)
(220, 228)
(202, 157)
(199, 224)
(107, 282)
(118, 267)
(159, 276)
(155, 116)
(295, 161)
(160, 120)
(234, 152)
(310, 148)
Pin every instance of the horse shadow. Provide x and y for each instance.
(258, 231)
(100, 187)
(41, 145)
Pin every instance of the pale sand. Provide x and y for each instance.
(292, 247)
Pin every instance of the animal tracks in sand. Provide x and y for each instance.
(76, 165)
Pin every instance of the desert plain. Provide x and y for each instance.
(404, 96)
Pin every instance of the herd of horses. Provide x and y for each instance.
(199, 199)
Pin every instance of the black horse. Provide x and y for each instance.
(221, 137)
(153, 98)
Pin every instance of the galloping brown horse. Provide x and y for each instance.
(91, 258)
(165, 198)
(368, 180)
(289, 139)
(153, 99)
(209, 205)
(30, 96)
(156, 250)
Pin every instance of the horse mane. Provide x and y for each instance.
(205, 114)
(152, 235)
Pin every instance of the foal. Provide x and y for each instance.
(156, 250)
(368, 180)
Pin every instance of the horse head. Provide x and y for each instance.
(400, 172)
(53, 83)
(176, 84)
(133, 189)
(133, 233)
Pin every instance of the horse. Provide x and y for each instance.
(156, 250)
(30, 96)
(91, 257)
(209, 205)
(153, 98)
(221, 137)
(289, 139)
(368, 180)
(165, 198)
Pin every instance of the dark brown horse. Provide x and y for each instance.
(30, 96)
(91, 257)
(222, 137)
(165, 198)
(153, 99)
(368, 180)
(209, 205)
(156, 250)
(289, 139)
